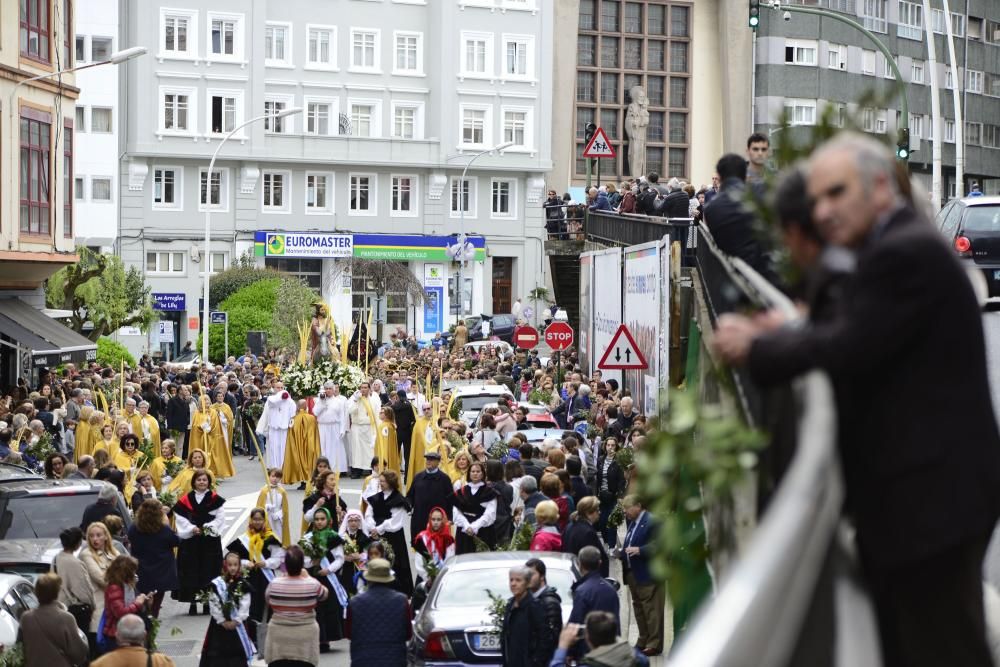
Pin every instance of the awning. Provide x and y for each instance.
(51, 343)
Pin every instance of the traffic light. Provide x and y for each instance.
(589, 132)
(903, 144)
(754, 18)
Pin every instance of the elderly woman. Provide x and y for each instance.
(292, 638)
(523, 623)
(49, 632)
(546, 537)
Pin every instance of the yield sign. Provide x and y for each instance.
(622, 353)
(599, 145)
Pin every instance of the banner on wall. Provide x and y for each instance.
(434, 281)
(585, 333)
(642, 315)
(606, 312)
(402, 247)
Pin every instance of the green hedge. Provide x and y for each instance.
(249, 309)
(111, 353)
(223, 285)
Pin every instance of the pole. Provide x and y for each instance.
(935, 109)
(227, 337)
(589, 161)
(955, 97)
(598, 172)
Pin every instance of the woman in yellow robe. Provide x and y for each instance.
(158, 468)
(146, 426)
(302, 447)
(197, 459)
(224, 457)
(208, 433)
(423, 440)
(386, 441)
(83, 435)
(108, 440)
(130, 460)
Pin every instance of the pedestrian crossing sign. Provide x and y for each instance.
(599, 145)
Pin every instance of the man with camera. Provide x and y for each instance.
(600, 631)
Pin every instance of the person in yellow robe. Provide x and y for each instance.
(108, 440)
(224, 458)
(423, 440)
(132, 417)
(387, 442)
(302, 447)
(274, 501)
(148, 427)
(130, 460)
(208, 433)
(83, 435)
(197, 459)
(167, 459)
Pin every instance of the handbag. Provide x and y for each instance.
(82, 613)
(104, 643)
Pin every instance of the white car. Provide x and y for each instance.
(186, 360)
(17, 596)
(475, 397)
(503, 348)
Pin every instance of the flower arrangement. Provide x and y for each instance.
(166, 498)
(303, 380)
(350, 546)
(208, 531)
(499, 451)
(172, 468)
(36, 452)
(617, 515)
(312, 548)
(539, 396)
(236, 590)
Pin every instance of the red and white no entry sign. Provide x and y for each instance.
(525, 338)
(559, 336)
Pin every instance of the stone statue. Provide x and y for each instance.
(320, 331)
(636, 124)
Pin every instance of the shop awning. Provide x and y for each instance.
(50, 342)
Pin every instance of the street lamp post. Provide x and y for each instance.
(207, 266)
(461, 216)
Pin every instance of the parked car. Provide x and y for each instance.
(42, 508)
(972, 227)
(186, 360)
(28, 558)
(474, 397)
(12, 472)
(536, 436)
(494, 326)
(453, 627)
(17, 596)
(534, 419)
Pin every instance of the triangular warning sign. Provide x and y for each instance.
(622, 353)
(599, 145)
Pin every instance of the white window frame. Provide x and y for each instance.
(376, 66)
(949, 131)
(330, 187)
(874, 15)
(191, 53)
(473, 211)
(238, 37)
(286, 61)
(418, 118)
(511, 199)
(111, 189)
(793, 104)
(836, 57)
(111, 112)
(973, 82)
(178, 204)
(917, 126)
(911, 20)
(287, 122)
(79, 188)
(529, 128)
(879, 120)
(269, 175)
(915, 67)
(223, 205)
(868, 58)
(957, 23)
(212, 256)
(376, 116)
(800, 47)
(949, 80)
(414, 196)
(419, 69)
(487, 39)
(372, 194)
(331, 64)
(487, 125)
(238, 108)
(965, 134)
(887, 72)
(528, 42)
(168, 268)
(333, 122)
(192, 111)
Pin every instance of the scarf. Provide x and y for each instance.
(322, 537)
(257, 540)
(438, 542)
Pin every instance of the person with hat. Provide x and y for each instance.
(430, 488)
(378, 620)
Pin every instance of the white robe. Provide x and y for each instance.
(363, 430)
(331, 414)
(276, 419)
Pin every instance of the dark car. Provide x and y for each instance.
(12, 472)
(972, 226)
(42, 508)
(498, 326)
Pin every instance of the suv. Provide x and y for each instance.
(41, 508)
(972, 227)
(12, 472)
(498, 326)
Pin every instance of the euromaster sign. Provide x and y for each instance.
(403, 247)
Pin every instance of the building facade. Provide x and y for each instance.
(808, 63)
(397, 97)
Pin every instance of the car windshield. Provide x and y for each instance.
(42, 516)
(468, 588)
(29, 571)
(472, 403)
(184, 357)
(982, 219)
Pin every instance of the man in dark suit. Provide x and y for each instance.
(405, 419)
(648, 595)
(430, 488)
(727, 217)
(919, 443)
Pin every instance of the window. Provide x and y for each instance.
(100, 188)
(274, 123)
(474, 127)
(364, 49)
(78, 189)
(917, 71)
(166, 187)
(81, 119)
(678, 92)
(502, 199)
(875, 120)
(974, 81)
(404, 190)
(321, 50)
(585, 87)
(100, 120)
(609, 15)
(225, 39)
(957, 23)
(362, 194)
(801, 112)
(34, 33)
(929, 124)
(213, 195)
(318, 116)
(949, 131)
(477, 54)
(886, 64)
(68, 180)
(654, 90)
(992, 85)
(632, 21)
(463, 197)
(223, 107)
(911, 20)
(609, 123)
(586, 50)
(867, 62)
(655, 55)
(175, 33)
(274, 192)
(800, 52)
(164, 262)
(609, 87)
(633, 54)
(973, 134)
(36, 148)
(678, 128)
(991, 136)
(409, 53)
(609, 52)
(678, 57)
(278, 45)
(318, 192)
(81, 49)
(175, 111)
(100, 48)
(655, 130)
(404, 121)
(217, 262)
(517, 57)
(949, 79)
(676, 162)
(655, 19)
(917, 126)
(364, 120)
(584, 115)
(515, 128)
(588, 20)
(679, 21)
(873, 15)
(837, 57)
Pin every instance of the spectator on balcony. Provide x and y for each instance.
(598, 199)
(555, 216)
(675, 204)
(614, 196)
(628, 203)
(728, 218)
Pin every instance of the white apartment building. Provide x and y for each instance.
(398, 97)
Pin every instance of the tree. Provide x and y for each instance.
(294, 305)
(244, 271)
(383, 276)
(100, 290)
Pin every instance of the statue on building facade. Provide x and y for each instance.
(636, 124)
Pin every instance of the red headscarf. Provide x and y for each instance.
(437, 541)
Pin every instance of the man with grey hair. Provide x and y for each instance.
(84, 468)
(675, 204)
(107, 503)
(531, 497)
(923, 486)
(132, 651)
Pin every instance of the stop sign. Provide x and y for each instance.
(559, 336)
(525, 337)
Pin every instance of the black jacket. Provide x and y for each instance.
(920, 445)
(675, 205)
(732, 225)
(616, 480)
(178, 414)
(579, 534)
(619, 427)
(552, 605)
(403, 410)
(521, 642)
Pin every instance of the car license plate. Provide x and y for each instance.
(996, 275)
(487, 642)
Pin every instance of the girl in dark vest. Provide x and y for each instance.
(227, 640)
(261, 553)
(199, 516)
(356, 541)
(386, 514)
(324, 568)
(475, 511)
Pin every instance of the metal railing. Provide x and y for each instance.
(625, 229)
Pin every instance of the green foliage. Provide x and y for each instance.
(294, 305)
(496, 610)
(242, 273)
(539, 396)
(111, 353)
(456, 409)
(12, 656)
